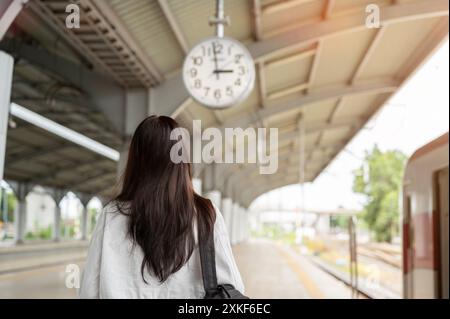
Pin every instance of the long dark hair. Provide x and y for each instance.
(158, 196)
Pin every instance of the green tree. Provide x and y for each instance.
(11, 204)
(339, 222)
(379, 179)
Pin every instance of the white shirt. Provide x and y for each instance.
(113, 267)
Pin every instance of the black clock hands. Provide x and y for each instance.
(215, 61)
(223, 71)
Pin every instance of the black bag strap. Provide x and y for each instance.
(208, 263)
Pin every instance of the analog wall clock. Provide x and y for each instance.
(219, 72)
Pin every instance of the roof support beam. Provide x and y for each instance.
(346, 23)
(327, 93)
(6, 71)
(248, 195)
(328, 9)
(439, 34)
(165, 7)
(26, 92)
(291, 58)
(260, 67)
(8, 13)
(262, 88)
(282, 5)
(313, 72)
(288, 91)
(368, 54)
(341, 124)
(173, 94)
(86, 180)
(356, 75)
(286, 105)
(245, 169)
(291, 169)
(104, 8)
(257, 20)
(119, 43)
(63, 132)
(76, 44)
(319, 95)
(35, 153)
(101, 91)
(45, 178)
(380, 100)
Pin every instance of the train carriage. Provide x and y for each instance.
(425, 222)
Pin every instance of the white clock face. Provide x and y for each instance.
(219, 72)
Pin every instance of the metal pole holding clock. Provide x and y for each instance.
(219, 20)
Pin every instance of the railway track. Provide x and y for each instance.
(362, 288)
(391, 258)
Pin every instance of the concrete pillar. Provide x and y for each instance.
(210, 186)
(241, 224)
(243, 217)
(84, 199)
(215, 197)
(227, 211)
(20, 220)
(245, 230)
(4, 208)
(121, 164)
(197, 183)
(247, 225)
(57, 197)
(57, 224)
(244, 224)
(136, 109)
(235, 223)
(228, 203)
(6, 71)
(84, 222)
(20, 214)
(231, 233)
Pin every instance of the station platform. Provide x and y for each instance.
(30, 256)
(275, 271)
(269, 270)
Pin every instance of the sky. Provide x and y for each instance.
(414, 116)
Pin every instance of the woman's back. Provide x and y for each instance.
(113, 265)
(145, 244)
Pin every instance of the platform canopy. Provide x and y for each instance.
(320, 70)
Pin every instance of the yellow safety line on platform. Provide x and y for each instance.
(311, 287)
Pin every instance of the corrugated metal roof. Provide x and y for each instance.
(147, 23)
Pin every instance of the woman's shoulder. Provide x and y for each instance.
(116, 207)
(112, 221)
(113, 214)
